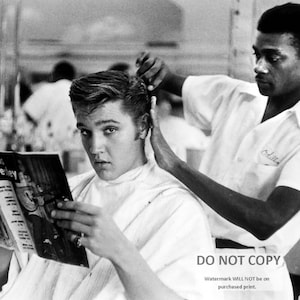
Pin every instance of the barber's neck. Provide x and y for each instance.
(278, 104)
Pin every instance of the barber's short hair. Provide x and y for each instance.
(282, 19)
(92, 90)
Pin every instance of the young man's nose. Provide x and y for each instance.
(98, 144)
(261, 66)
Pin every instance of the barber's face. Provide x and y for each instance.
(110, 139)
(277, 65)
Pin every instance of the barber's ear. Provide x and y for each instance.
(143, 126)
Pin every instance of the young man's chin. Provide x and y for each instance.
(106, 176)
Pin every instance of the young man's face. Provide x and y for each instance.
(277, 65)
(110, 139)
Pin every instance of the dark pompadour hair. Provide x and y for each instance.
(92, 90)
(282, 19)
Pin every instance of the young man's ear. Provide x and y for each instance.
(143, 126)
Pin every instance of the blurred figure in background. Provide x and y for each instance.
(122, 66)
(49, 109)
(25, 85)
(14, 126)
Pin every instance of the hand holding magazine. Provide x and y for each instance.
(31, 185)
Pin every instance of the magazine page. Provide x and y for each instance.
(40, 186)
(41, 183)
(14, 232)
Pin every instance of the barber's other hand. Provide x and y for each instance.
(152, 70)
(164, 155)
(100, 233)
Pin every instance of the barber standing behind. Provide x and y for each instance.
(249, 176)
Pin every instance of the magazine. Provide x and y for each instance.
(31, 185)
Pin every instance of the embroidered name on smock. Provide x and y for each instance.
(271, 155)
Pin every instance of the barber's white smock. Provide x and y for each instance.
(163, 220)
(245, 155)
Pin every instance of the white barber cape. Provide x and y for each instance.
(249, 157)
(163, 220)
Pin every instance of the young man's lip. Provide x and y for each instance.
(101, 161)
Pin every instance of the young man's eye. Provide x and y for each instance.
(110, 130)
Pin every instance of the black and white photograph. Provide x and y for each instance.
(150, 150)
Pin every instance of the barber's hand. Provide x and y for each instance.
(164, 155)
(152, 70)
(99, 232)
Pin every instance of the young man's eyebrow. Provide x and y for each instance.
(100, 122)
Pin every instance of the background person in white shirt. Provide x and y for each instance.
(50, 109)
(249, 175)
(142, 229)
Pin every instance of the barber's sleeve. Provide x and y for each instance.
(290, 174)
(287, 236)
(203, 98)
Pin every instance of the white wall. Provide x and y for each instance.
(202, 34)
(211, 37)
